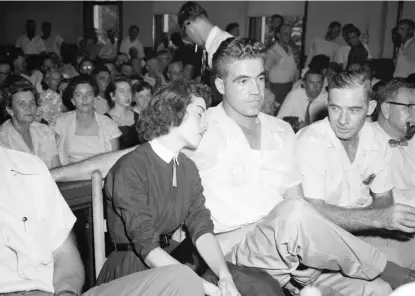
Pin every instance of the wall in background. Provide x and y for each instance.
(66, 18)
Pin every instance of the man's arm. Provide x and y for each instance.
(68, 271)
(82, 170)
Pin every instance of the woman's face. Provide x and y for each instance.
(53, 80)
(192, 128)
(86, 68)
(103, 79)
(142, 99)
(83, 98)
(122, 95)
(23, 107)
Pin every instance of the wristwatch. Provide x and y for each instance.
(66, 292)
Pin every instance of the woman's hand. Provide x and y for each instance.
(227, 287)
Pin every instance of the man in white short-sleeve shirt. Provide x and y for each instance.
(252, 184)
(29, 42)
(132, 41)
(405, 61)
(38, 254)
(346, 165)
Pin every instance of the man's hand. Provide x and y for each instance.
(211, 289)
(397, 217)
(227, 287)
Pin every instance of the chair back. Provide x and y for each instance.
(99, 223)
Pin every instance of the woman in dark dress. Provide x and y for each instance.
(155, 190)
(119, 97)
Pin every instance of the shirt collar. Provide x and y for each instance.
(13, 161)
(367, 139)
(218, 114)
(210, 38)
(162, 151)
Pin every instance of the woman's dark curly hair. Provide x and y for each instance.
(19, 85)
(167, 108)
(112, 87)
(67, 95)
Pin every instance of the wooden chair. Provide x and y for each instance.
(98, 220)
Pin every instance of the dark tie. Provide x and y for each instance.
(401, 142)
(307, 117)
(205, 63)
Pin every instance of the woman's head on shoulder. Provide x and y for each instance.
(176, 109)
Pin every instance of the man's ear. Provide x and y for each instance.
(220, 86)
(386, 110)
(372, 107)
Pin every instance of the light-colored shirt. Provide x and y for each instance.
(402, 160)
(33, 46)
(281, 65)
(126, 44)
(320, 45)
(53, 44)
(27, 191)
(242, 185)
(215, 38)
(296, 102)
(328, 173)
(43, 141)
(342, 54)
(65, 128)
(405, 62)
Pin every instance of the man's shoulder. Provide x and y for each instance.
(22, 160)
(313, 134)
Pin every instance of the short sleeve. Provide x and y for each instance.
(126, 186)
(59, 217)
(311, 162)
(111, 128)
(199, 221)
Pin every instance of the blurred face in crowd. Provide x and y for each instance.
(175, 71)
(122, 95)
(5, 71)
(19, 65)
(276, 22)
(399, 116)
(142, 99)
(335, 32)
(112, 69)
(23, 107)
(102, 79)
(405, 31)
(243, 86)
(348, 109)
(46, 30)
(235, 31)
(53, 79)
(127, 70)
(188, 72)
(164, 60)
(48, 64)
(313, 85)
(86, 67)
(83, 98)
(353, 39)
(121, 59)
(285, 34)
(133, 32)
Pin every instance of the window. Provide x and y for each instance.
(163, 26)
(106, 16)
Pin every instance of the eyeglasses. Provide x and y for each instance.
(87, 67)
(411, 107)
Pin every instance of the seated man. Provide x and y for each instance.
(38, 254)
(252, 185)
(346, 168)
(308, 103)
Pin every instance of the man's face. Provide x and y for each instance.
(163, 61)
(243, 86)
(404, 31)
(5, 71)
(127, 70)
(46, 30)
(313, 85)
(353, 39)
(133, 32)
(398, 116)
(347, 109)
(48, 65)
(31, 27)
(175, 71)
(276, 22)
(335, 32)
(285, 34)
(193, 33)
(235, 31)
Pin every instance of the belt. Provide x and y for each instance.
(125, 247)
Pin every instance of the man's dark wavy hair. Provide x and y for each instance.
(189, 12)
(167, 108)
(234, 49)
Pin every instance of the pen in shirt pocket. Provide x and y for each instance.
(368, 180)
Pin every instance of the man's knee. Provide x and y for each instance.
(292, 209)
(184, 280)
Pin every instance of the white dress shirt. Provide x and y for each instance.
(214, 39)
(320, 45)
(30, 46)
(126, 44)
(405, 62)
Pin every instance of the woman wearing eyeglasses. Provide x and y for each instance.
(83, 132)
(86, 66)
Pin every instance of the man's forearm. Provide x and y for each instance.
(82, 170)
(352, 220)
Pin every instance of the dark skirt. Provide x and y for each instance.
(249, 281)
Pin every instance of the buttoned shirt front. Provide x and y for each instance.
(242, 185)
(328, 173)
(35, 220)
